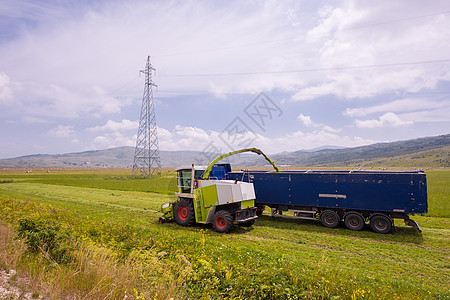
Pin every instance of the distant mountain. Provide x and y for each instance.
(120, 157)
(324, 148)
(358, 155)
(430, 151)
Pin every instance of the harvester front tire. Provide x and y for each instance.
(223, 222)
(183, 212)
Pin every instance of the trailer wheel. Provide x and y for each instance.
(223, 222)
(183, 212)
(381, 224)
(354, 221)
(329, 219)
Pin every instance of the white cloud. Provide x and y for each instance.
(305, 119)
(430, 116)
(408, 110)
(124, 125)
(389, 119)
(308, 122)
(402, 105)
(5, 89)
(34, 120)
(115, 134)
(111, 140)
(186, 138)
(300, 140)
(345, 38)
(191, 138)
(62, 131)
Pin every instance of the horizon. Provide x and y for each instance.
(270, 154)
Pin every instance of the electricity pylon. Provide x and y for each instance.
(146, 155)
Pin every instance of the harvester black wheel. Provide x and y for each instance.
(247, 224)
(223, 222)
(354, 221)
(329, 219)
(183, 212)
(381, 224)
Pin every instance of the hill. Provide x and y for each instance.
(417, 149)
(423, 152)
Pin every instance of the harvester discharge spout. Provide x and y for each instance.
(255, 150)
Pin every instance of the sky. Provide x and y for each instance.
(278, 75)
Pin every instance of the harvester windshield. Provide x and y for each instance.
(184, 177)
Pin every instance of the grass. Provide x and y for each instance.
(115, 179)
(439, 193)
(120, 249)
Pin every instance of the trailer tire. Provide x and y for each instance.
(381, 224)
(329, 218)
(222, 221)
(183, 212)
(354, 221)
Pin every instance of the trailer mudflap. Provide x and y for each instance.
(413, 224)
(246, 215)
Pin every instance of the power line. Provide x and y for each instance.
(161, 93)
(310, 70)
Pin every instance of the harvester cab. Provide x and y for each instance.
(205, 197)
(187, 179)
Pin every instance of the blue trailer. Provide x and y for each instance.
(354, 197)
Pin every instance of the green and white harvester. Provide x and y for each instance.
(211, 201)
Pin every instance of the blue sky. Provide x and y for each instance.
(286, 75)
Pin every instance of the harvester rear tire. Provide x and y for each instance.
(183, 212)
(223, 222)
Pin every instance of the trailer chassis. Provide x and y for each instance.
(380, 222)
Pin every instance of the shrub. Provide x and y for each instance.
(47, 237)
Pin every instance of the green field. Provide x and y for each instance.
(104, 217)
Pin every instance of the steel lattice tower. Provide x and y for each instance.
(146, 155)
